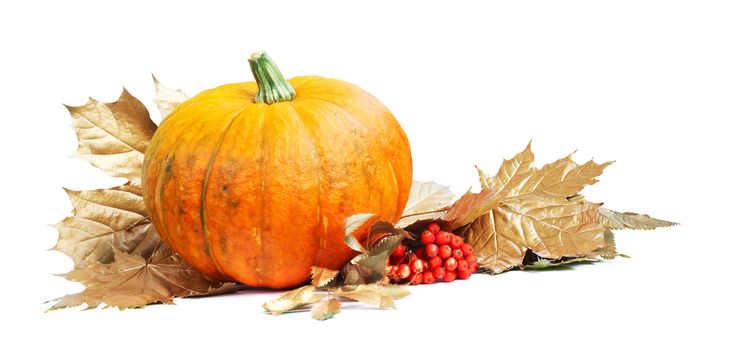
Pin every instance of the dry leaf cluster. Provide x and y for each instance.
(525, 210)
(117, 254)
(324, 300)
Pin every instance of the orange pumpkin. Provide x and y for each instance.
(252, 182)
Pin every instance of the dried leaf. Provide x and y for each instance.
(351, 224)
(552, 227)
(131, 282)
(482, 178)
(293, 299)
(470, 207)
(510, 169)
(167, 99)
(370, 266)
(326, 309)
(524, 208)
(563, 178)
(381, 229)
(140, 239)
(425, 197)
(380, 296)
(619, 221)
(609, 250)
(321, 276)
(114, 136)
(102, 217)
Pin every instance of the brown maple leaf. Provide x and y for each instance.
(102, 219)
(131, 281)
(526, 209)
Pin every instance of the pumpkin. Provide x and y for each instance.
(252, 182)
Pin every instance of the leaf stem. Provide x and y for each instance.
(426, 212)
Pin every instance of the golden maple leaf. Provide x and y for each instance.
(523, 208)
(132, 281)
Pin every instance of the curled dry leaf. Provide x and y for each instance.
(131, 281)
(326, 309)
(114, 136)
(293, 300)
(619, 221)
(425, 198)
(167, 99)
(351, 224)
(377, 295)
(321, 276)
(369, 267)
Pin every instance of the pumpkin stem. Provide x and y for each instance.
(272, 86)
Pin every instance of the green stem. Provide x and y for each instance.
(272, 86)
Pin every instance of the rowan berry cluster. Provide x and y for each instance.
(438, 256)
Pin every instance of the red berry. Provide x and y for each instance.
(417, 266)
(449, 276)
(435, 261)
(472, 266)
(464, 275)
(439, 272)
(431, 250)
(442, 238)
(420, 253)
(457, 253)
(467, 249)
(456, 241)
(399, 251)
(471, 259)
(403, 271)
(434, 227)
(415, 279)
(428, 277)
(444, 251)
(462, 265)
(450, 264)
(427, 237)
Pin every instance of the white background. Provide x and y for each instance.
(645, 83)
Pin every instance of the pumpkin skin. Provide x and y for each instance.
(258, 193)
